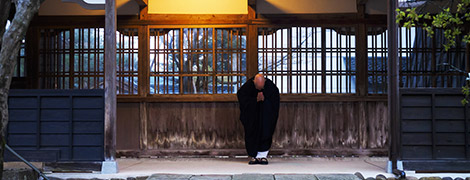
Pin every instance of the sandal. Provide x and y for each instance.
(254, 161)
(263, 161)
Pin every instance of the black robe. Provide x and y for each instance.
(258, 118)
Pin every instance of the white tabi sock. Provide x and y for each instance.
(263, 154)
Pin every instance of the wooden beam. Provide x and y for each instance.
(211, 19)
(233, 98)
(252, 9)
(142, 3)
(393, 83)
(110, 81)
(180, 19)
(143, 8)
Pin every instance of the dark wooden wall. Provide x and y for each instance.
(435, 130)
(56, 125)
(213, 128)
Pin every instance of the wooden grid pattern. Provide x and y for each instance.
(197, 60)
(54, 59)
(74, 59)
(299, 62)
(377, 60)
(88, 58)
(424, 62)
(127, 61)
(430, 59)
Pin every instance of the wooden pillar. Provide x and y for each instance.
(252, 42)
(361, 53)
(144, 74)
(110, 166)
(32, 57)
(393, 83)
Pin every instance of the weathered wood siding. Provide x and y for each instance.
(316, 128)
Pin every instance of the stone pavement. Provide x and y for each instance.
(256, 177)
(356, 176)
(316, 168)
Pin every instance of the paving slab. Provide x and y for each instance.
(211, 177)
(337, 177)
(295, 177)
(169, 176)
(253, 176)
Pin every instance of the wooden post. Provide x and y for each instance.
(393, 83)
(144, 74)
(361, 53)
(252, 42)
(109, 165)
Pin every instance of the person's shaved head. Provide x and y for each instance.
(259, 81)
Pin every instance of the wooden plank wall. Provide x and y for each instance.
(435, 133)
(213, 128)
(56, 125)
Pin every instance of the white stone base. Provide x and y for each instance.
(399, 166)
(109, 167)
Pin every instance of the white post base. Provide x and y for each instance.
(399, 166)
(109, 167)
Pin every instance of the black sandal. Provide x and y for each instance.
(263, 161)
(254, 161)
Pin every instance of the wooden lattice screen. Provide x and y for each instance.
(197, 60)
(308, 59)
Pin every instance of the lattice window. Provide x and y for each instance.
(230, 64)
(127, 61)
(213, 60)
(377, 60)
(297, 60)
(421, 69)
(74, 59)
(88, 58)
(424, 62)
(164, 61)
(54, 59)
(340, 61)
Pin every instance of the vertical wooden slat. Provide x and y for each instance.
(433, 61)
(433, 125)
(467, 131)
(70, 97)
(143, 125)
(323, 60)
(180, 39)
(214, 59)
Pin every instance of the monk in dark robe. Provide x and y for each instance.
(259, 110)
